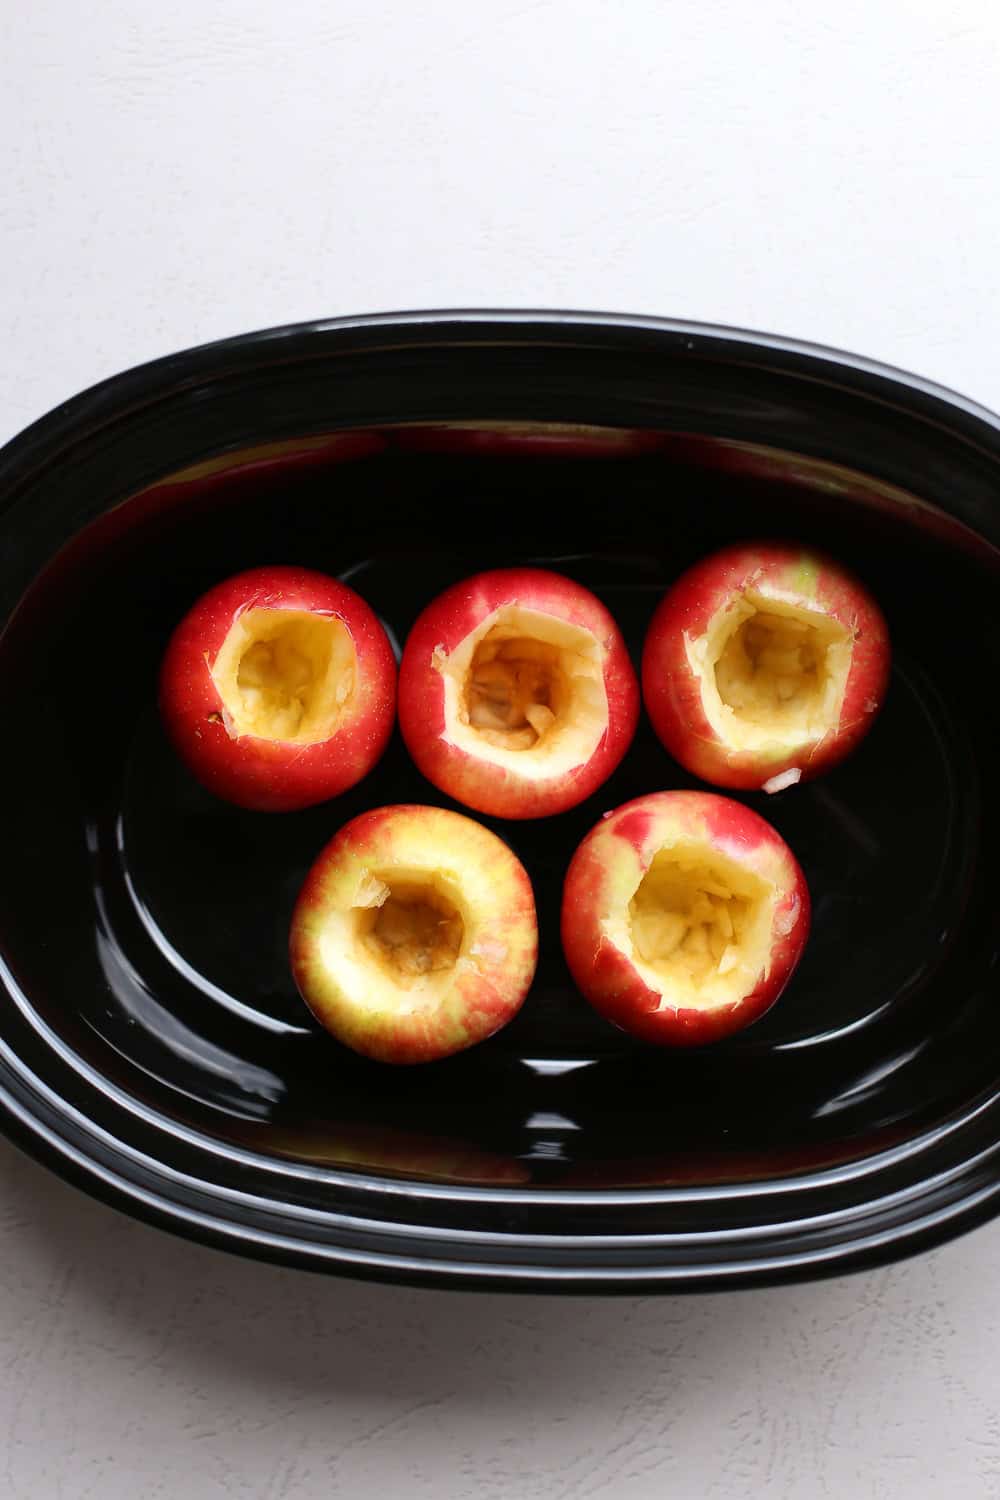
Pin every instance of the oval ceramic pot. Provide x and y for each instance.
(152, 1046)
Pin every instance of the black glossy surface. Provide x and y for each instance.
(144, 924)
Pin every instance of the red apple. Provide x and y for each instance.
(278, 689)
(764, 664)
(526, 439)
(684, 915)
(516, 693)
(414, 935)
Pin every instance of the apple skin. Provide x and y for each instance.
(446, 622)
(607, 868)
(273, 775)
(489, 985)
(800, 575)
(526, 440)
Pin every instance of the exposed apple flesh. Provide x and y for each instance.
(285, 674)
(415, 934)
(517, 696)
(699, 926)
(771, 673)
(525, 690)
(684, 915)
(416, 929)
(764, 665)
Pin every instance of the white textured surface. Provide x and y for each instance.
(173, 173)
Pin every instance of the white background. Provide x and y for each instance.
(176, 172)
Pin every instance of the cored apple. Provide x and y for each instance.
(415, 934)
(516, 693)
(764, 665)
(278, 689)
(684, 915)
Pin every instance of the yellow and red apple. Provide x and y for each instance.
(278, 689)
(516, 693)
(414, 935)
(684, 915)
(764, 664)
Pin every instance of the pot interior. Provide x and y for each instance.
(146, 926)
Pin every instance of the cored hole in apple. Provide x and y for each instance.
(285, 674)
(526, 689)
(412, 929)
(774, 673)
(514, 692)
(699, 926)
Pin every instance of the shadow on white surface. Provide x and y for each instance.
(133, 1348)
(292, 1330)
